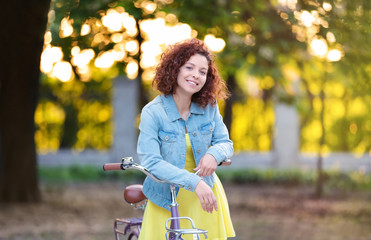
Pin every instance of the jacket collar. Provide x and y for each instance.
(172, 110)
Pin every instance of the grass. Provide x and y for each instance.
(333, 180)
(85, 173)
(254, 176)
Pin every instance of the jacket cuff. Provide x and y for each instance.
(217, 155)
(192, 182)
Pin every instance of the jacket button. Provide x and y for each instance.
(189, 188)
(194, 134)
(211, 129)
(167, 137)
(198, 150)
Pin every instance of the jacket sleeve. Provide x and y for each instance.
(221, 146)
(149, 153)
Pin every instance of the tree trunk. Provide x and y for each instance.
(22, 37)
(70, 127)
(320, 180)
(228, 110)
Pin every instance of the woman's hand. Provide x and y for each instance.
(206, 196)
(207, 165)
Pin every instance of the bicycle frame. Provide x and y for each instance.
(174, 232)
(129, 224)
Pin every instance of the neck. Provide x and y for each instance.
(183, 104)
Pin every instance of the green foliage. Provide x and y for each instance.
(264, 40)
(347, 181)
(254, 119)
(334, 180)
(271, 176)
(347, 115)
(84, 101)
(74, 114)
(266, 52)
(350, 22)
(78, 173)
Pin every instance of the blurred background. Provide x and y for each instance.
(313, 58)
(299, 112)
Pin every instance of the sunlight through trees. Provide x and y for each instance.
(276, 51)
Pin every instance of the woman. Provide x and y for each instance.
(182, 131)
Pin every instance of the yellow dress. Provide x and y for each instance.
(218, 223)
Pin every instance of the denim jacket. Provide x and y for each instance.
(162, 145)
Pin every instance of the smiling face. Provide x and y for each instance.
(192, 75)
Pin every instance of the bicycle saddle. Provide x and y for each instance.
(133, 193)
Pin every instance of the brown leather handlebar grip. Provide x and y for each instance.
(112, 166)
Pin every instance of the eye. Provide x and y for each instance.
(188, 67)
(203, 73)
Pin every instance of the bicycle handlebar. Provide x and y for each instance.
(112, 166)
(128, 163)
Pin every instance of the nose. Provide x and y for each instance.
(196, 74)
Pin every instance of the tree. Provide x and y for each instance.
(251, 31)
(22, 38)
(259, 44)
(99, 40)
(274, 35)
(349, 23)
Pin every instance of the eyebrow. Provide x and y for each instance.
(195, 65)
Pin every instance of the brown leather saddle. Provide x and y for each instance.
(133, 194)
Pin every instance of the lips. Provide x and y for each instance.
(192, 82)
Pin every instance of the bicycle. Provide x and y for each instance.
(133, 194)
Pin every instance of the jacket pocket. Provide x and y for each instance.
(168, 140)
(207, 132)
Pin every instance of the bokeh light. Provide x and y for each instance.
(105, 59)
(66, 28)
(63, 71)
(132, 69)
(113, 20)
(334, 55)
(113, 47)
(215, 44)
(85, 29)
(307, 19)
(49, 56)
(327, 6)
(319, 47)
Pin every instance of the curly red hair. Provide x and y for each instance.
(177, 55)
